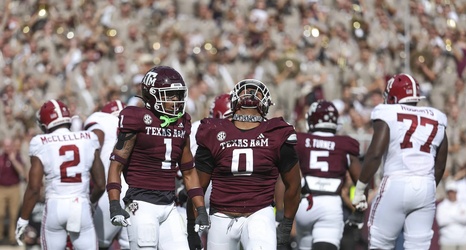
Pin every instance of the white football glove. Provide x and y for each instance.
(20, 227)
(359, 199)
(119, 220)
(118, 216)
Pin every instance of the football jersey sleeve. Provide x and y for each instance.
(287, 131)
(95, 141)
(203, 132)
(187, 124)
(92, 123)
(379, 112)
(35, 146)
(131, 119)
(443, 121)
(351, 146)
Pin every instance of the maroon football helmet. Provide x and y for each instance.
(322, 115)
(221, 108)
(164, 85)
(402, 88)
(113, 107)
(53, 113)
(245, 95)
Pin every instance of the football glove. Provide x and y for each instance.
(356, 219)
(118, 216)
(202, 220)
(283, 232)
(20, 227)
(359, 200)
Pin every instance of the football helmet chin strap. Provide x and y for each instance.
(167, 120)
(247, 118)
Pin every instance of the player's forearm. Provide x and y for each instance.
(191, 179)
(96, 194)
(31, 196)
(291, 202)
(114, 180)
(369, 167)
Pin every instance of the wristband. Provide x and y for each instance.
(360, 186)
(195, 192)
(113, 185)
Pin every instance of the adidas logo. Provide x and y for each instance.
(180, 125)
(261, 136)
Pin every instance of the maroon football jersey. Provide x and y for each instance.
(324, 160)
(245, 162)
(157, 152)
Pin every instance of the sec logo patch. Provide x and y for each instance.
(221, 136)
(147, 119)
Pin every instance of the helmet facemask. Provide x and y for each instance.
(169, 101)
(251, 94)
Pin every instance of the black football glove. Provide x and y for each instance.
(118, 215)
(356, 219)
(283, 232)
(202, 220)
(194, 240)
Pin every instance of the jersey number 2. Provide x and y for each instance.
(67, 164)
(414, 123)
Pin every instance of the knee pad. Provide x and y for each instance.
(324, 246)
(418, 241)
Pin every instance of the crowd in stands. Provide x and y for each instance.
(88, 52)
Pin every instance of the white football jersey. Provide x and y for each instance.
(415, 134)
(67, 158)
(108, 123)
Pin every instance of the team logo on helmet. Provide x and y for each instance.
(147, 119)
(149, 79)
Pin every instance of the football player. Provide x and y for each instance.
(67, 160)
(243, 156)
(104, 124)
(152, 144)
(412, 144)
(220, 109)
(324, 158)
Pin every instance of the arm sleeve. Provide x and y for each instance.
(204, 161)
(288, 158)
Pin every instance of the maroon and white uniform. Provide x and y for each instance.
(324, 161)
(150, 173)
(244, 167)
(151, 169)
(406, 196)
